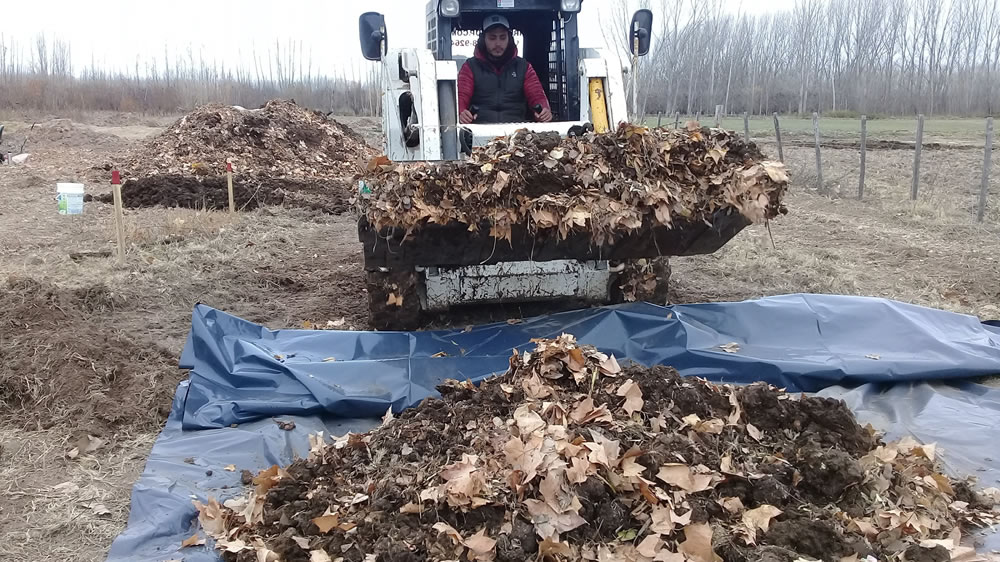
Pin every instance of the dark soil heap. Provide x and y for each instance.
(278, 140)
(276, 150)
(570, 457)
(607, 184)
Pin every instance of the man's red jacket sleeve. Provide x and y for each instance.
(533, 90)
(466, 85)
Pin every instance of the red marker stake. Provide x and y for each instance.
(116, 188)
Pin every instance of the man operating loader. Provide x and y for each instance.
(496, 85)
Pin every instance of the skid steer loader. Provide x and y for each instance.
(441, 266)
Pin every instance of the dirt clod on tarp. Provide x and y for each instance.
(54, 370)
(569, 456)
(606, 184)
(212, 192)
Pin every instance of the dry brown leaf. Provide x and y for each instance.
(235, 546)
(633, 396)
(549, 548)
(681, 476)
(585, 412)
(463, 481)
(759, 519)
(301, 541)
(753, 432)
(650, 546)
(534, 388)
(731, 347)
(557, 493)
(662, 521)
(326, 523)
(525, 458)
(319, 556)
(735, 412)
(865, 527)
(266, 479)
(443, 528)
(193, 540)
(732, 505)
(527, 420)
(579, 471)
(211, 518)
(610, 366)
(480, 543)
(230, 468)
(668, 556)
(631, 468)
(412, 508)
(697, 543)
(575, 360)
(548, 523)
(85, 444)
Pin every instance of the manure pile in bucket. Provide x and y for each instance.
(569, 456)
(605, 184)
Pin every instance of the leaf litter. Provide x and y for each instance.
(608, 185)
(569, 456)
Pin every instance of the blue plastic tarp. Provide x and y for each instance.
(244, 374)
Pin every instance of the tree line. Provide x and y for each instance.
(892, 57)
(41, 76)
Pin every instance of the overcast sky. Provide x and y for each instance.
(117, 32)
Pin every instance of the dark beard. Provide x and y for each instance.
(496, 61)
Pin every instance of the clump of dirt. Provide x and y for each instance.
(61, 361)
(570, 457)
(212, 192)
(278, 140)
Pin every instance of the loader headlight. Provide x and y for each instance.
(450, 9)
(571, 6)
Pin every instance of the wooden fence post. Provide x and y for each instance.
(659, 119)
(718, 116)
(116, 190)
(916, 157)
(697, 117)
(229, 181)
(746, 125)
(864, 153)
(819, 162)
(677, 120)
(987, 162)
(777, 133)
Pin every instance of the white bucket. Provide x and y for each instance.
(70, 198)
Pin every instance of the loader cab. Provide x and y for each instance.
(584, 86)
(546, 32)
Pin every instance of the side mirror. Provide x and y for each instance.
(640, 32)
(374, 38)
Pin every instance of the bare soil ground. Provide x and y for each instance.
(88, 347)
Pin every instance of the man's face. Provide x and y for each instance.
(497, 39)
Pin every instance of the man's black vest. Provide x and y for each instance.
(500, 97)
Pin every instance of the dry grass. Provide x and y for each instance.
(51, 506)
(847, 247)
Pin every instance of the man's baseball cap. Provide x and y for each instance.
(495, 20)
